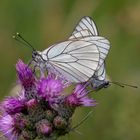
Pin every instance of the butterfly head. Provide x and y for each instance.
(37, 57)
(99, 84)
(106, 84)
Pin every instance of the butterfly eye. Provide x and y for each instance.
(35, 52)
(106, 84)
(33, 55)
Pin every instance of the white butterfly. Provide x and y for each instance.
(77, 59)
(86, 30)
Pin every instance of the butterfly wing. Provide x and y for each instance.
(86, 30)
(85, 24)
(76, 60)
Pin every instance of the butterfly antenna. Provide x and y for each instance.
(123, 84)
(20, 39)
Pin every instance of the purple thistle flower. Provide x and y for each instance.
(25, 74)
(41, 110)
(49, 88)
(31, 103)
(13, 105)
(7, 126)
(79, 97)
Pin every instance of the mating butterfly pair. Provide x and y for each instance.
(79, 59)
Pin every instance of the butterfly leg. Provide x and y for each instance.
(30, 62)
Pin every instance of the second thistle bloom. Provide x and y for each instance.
(79, 97)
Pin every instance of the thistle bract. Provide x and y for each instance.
(42, 110)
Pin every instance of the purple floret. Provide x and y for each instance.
(13, 105)
(25, 74)
(49, 88)
(79, 97)
(7, 126)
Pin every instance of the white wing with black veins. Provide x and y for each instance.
(76, 60)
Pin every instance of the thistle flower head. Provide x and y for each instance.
(42, 110)
(13, 105)
(50, 89)
(79, 97)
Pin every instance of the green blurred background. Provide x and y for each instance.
(44, 22)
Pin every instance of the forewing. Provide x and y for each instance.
(76, 60)
(86, 27)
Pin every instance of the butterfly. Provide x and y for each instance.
(80, 58)
(87, 28)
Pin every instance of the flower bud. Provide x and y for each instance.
(20, 121)
(44, 127)
(49, 115)
(28, 135)
(59, 122)
(32, 103)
